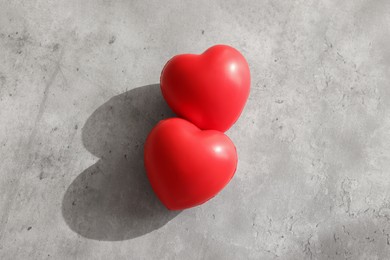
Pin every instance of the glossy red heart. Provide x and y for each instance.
(209, 89)
(187, 166)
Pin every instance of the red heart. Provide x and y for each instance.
(185, 165)
(209, 89)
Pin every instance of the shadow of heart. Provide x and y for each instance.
(112, 200)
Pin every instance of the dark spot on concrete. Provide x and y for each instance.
(275, 60)
(74, 203)
(279, 101)
(109, 151)
(77, 69)
(29, 228)
(2, 80)
(56, 47)
(112, 39)
(16, 32)
(19, 52)
(10, 94)
(21, 41)
(281, 127)
(202, 32)
(76, 127)
(125, 156)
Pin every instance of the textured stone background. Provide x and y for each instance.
(78, 96)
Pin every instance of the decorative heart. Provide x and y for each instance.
(209, 89)
(185, 165)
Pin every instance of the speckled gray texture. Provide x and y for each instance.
(79, 93)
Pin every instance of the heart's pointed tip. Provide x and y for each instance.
(181, 207)
(175, 208)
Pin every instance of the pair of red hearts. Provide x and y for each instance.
(188, 160)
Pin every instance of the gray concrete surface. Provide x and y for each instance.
(79, 93)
